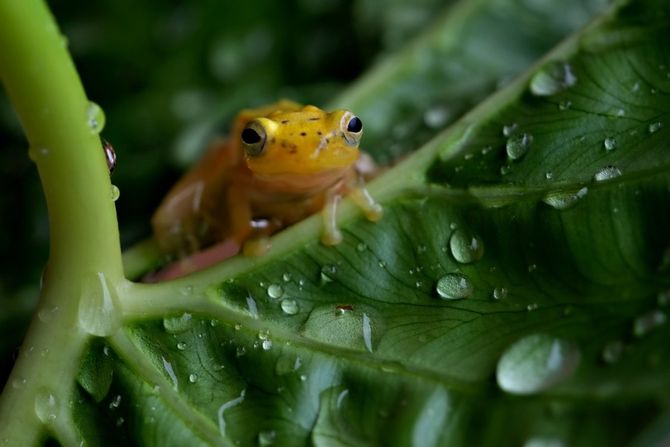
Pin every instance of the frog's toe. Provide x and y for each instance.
(330, 238)
(374, 213)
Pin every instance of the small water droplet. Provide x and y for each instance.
(286, 277)
(549, 175)
(564, 105)
(303, 377)
(46, 406)
(115, 403)
(606, 173)
(192, 378)
(505, 169)
(289, 306)
(510, 129)
(562, 200)
(454, 286)
(181, 345)
(532, 268)
(499, 293)
(238, 326)
(647, 322)
(551, 79)
(635, 87)
(240, 351)
(361, 247)
(436, 117)
(609, 143)
(486, 150)
(465, 246)
(267, 437)
(654, 127)
(328, 273)
(531, 307)
(266, 345)
(252, 307)
(99, 312)
(367, 332)
(517, 146)
(177, 325)
(95, 117)
(115, 193)
(612, 352)
(536, 363)
(275, 291)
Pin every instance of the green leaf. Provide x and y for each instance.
(515, 292)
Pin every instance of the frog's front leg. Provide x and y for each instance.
(361, 197)
(331, 234)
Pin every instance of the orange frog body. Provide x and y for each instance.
(282, 163)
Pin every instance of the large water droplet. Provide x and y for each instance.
(289, 306)
(647, 322)
(609, 143)
(358, 328)
(606, 173)
(551, 79)
(454, 286)
(46, 406)
(535, 363)
(115, 193)
(465, 246)
(517, 146)
(177, 325)
(99, 312)
(562, 200)
(95, 117)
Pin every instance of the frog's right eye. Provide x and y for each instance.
(253, 139)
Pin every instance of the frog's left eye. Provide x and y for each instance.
(352, 128)
(253, 139)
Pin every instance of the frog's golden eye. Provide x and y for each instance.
(254, 139)
(352, 128)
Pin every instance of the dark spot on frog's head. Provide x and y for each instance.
(273, 140)
(303, 133)
(316, 118)
(284, 121)
(318, 132)
(283, 144)
(327, 141)
(293, 150)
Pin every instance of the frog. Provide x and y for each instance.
(280, 164)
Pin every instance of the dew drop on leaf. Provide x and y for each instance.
(354, 329)
(266, 345)
(179, 324)
(192, 378)
(454, 286)
(551, 79)
(654, 127)
(606, 173)
(647, 322)
(609, 143)
(267, 437)
(275, 291)
(562, 200)
(289, 306)
(518, 145)
(115, 193)
(181, 346)
(465, 246)
(95, 117)
(499, 293)
(99, 312)
(328, 273)
(510, 129)
(46, 406)
(536, 363)
(612, 352)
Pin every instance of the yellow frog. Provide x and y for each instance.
(281, 163)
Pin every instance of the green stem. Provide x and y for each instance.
(42, 83)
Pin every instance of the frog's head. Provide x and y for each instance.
(304, 141)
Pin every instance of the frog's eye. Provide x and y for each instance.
(253, 139)
(352, 127)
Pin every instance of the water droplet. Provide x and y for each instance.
(564, 105)
(181, 345)
(510, 129)
(354, 329)
(303, 377)
(647, 322)
(328, 273)
(612, 352)
(499, 293)
(266, 345)
(35, 153)
(551, 79)
(532, 267)
(505, 169)
(465, 246)
(549, 175)
(289, 306)
(115, 403)
(486, 150)
(606, 173)
(531, 307)
(286, 277)
(192, 378)
(170, 372)
(267, 437)
(177, 325)
(99, 312)
(287, 364)
(115, 193)
(609, 143)
(517, 146)
(635, 87)
(251, 306)
(361, 247)
(46, 406)
(454, 286)
(95, 117)
(227, 405)
(535, 363)
(543, 442)
(436, 117)
(240, 351)
(48, 314)
(275, 291)
(654, 127)
(562, 200)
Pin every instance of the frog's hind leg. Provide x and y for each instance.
(361, 197)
